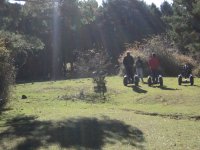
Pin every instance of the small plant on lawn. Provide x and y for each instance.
(95, 64)
(100, 82)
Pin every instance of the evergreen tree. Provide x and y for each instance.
(166, 9)
(185, 25)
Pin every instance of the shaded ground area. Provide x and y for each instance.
(138, 89)
(171, 116)
(89, 133)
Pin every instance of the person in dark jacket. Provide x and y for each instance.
(128, 62)
(186, 70)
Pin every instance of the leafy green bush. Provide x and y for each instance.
(6, 74)
(196, 71)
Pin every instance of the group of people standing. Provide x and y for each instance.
(129, 63)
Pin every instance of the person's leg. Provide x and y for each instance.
(138, 72)
(154, 76)
(129, 72)
(141, 74)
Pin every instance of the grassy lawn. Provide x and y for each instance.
(68, 115)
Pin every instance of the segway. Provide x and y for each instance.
(153, 81)
(186, 74)
(128, 80)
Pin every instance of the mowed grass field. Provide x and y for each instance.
(68, 115)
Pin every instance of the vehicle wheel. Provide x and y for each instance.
(160, 79)
(149, 81)
(125, 81)
(179, 80)
(191, 80)
(136, 80)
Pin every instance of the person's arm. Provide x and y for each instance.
(123, 61)
(149, 63)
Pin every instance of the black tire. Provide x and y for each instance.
(160, 80)
(191, 80)
(179, 80)
(149, 81)
(125, 81)
(136, 80)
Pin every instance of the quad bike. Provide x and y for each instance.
(128, 80)
(156, 80)
(187, 75)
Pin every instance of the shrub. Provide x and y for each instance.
(6, 74)
(170, 58)
(100, 82)
(95, 64)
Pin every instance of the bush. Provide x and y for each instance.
(6, 74)
(95, 64)
(100, 82)
(170, 58)
(196, 71)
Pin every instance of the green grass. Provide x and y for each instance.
(68, 115)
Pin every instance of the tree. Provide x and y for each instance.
(155, 10)
(14, 27)
(166, 9)
(125, 21)
(61, 28)
(184, 23)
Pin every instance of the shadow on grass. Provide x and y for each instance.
(4, 110)
(163, 88)
(145, 82)
(88, 133)
(188, 85)
(138, 89)
(197, 86)
(167, 88)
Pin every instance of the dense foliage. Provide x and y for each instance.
(63, 28)
(6, 73)
(185, 25)
(45, 37)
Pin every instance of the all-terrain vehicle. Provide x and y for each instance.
(186, 73)
(158, 79)
(128, 80)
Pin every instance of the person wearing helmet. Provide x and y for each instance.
(187, 70)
